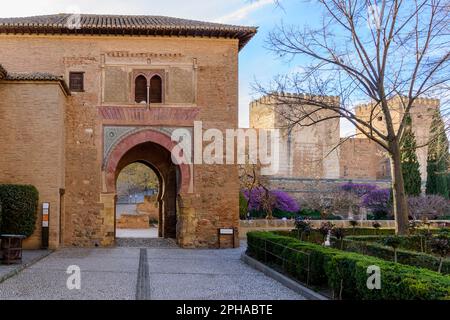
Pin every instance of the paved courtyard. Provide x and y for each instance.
(137, 233)
(152, 273)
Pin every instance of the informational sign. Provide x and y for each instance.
(45, 212)
(226, 231)
(45, 224)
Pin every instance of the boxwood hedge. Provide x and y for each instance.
(409, 257)
(346, 272)
(19, 209)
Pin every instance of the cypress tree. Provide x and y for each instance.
(410, 164)
(437, 161)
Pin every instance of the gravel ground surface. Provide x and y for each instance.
(137, 233)
(166, 273)
(28, 257)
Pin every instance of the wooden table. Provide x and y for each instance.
(11, 248)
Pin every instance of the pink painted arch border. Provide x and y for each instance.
(133, 140)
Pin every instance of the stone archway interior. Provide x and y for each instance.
(158, 158)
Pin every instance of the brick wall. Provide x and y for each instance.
(361, 158)
(32, 145)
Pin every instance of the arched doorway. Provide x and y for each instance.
(139, 194)
(152, 148)
(159, 158)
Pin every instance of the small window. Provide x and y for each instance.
(76, 81)
(155, 89)
(380, 118)
(140, 89)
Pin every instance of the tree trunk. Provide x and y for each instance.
(400, 204)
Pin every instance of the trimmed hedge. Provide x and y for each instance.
(411, 242)
(346, 272)
(316, 237)
(19, 209)
(412, 258)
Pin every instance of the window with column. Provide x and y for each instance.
(148, 88)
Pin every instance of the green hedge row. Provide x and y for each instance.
(316, 237)
(346, 272)
(411, 242)
(19, 209)
(412, 258)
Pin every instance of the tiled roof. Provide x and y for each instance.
(34, 76)
(63, 23)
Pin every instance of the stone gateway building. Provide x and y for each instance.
(81, 97)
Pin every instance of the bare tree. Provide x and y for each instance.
(366, 50)
(251, 180)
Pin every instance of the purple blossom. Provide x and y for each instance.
(378, 200)
(282, 200)
(358, 188)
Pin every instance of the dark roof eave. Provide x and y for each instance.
(39, 77)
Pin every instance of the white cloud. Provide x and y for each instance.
(242, 13)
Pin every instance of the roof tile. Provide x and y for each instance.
(35, 76)
(125, 24)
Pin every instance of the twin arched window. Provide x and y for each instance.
(148, 91)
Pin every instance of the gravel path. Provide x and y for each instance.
(132, 273)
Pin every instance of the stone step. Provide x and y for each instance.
(146, 243)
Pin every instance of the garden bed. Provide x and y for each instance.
(413, 250)
(346, 272)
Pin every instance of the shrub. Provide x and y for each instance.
(19, 207)
(394, 243)
(441, 246)
(303, 227)
(376, 225)
(346, 272)
(242, 206)
(339, 233)
(325, 228)
(310, 213)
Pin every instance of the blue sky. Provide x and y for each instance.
(256, 62)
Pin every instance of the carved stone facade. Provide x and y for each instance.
(78, 142)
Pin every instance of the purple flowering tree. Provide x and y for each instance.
(262, 200)
(378, 201)
(358, 188)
